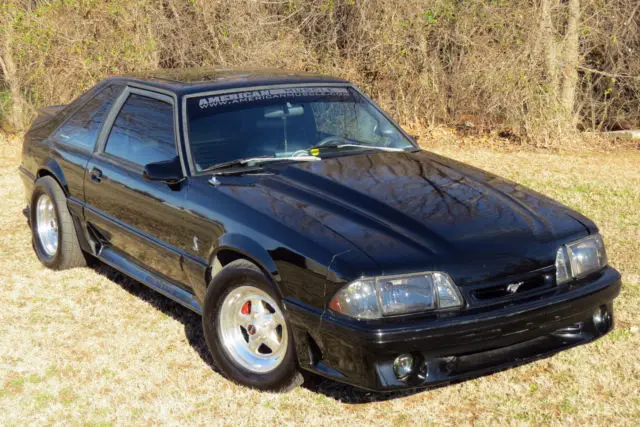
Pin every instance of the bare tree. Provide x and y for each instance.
(571, 58)
(547, 32)
(529, 68)
(11, 79)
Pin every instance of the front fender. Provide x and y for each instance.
(248, 248)
(296, 277)
(228, 247)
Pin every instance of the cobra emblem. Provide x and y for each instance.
(512, 288)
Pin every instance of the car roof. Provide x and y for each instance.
(193, 80)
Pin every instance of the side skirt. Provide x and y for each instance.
(152, 280)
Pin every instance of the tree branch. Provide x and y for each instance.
(606, 74)
(633, 14)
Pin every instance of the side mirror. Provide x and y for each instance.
(169, 171)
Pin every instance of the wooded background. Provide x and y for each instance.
(531, 69)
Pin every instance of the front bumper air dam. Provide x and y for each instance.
(454, 347)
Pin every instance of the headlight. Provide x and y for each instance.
(373, 298)
(579, 258)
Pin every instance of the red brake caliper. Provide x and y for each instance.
(246, 308)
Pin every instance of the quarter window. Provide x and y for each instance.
(143, 131)
(83, 127)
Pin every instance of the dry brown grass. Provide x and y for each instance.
(90, 346)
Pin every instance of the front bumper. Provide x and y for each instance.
(453, 347)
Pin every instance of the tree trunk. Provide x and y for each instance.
(571, 57)
(8, 69)
(549, 46)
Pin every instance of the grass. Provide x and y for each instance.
(89, 346)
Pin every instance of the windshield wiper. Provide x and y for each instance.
(252, 164)
(368, 147)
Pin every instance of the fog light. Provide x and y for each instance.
(601, 318)
(403, 365)
(598, 318)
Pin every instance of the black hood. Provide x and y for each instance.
(412, 211)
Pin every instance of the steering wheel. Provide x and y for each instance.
(332, 139)
(300, 153)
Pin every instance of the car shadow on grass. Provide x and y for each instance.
(192, 321)
(346, 393)
(343, 393)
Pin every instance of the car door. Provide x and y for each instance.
(132, 215)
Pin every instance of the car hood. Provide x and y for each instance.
(419, 211)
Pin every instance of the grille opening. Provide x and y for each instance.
(515, 287)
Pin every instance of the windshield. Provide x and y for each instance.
(289, 122)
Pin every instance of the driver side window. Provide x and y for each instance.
(143, 131)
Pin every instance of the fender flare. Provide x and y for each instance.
(248, 249)
(52, 167)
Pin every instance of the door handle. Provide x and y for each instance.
(96, 175)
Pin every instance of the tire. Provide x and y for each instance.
(237, 281)
(62, 250)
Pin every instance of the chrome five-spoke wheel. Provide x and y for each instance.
(252, 329)
(47, 225)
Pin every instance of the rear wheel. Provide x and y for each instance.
(246, 330)
(54, 236)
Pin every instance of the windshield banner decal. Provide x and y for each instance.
(266, 94)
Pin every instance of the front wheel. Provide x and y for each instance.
(246, 330)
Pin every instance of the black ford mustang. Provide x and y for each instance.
(310, 231)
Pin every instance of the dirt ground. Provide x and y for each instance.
(89, 346)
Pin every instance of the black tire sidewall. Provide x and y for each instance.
(45, 186)
(227, 280)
